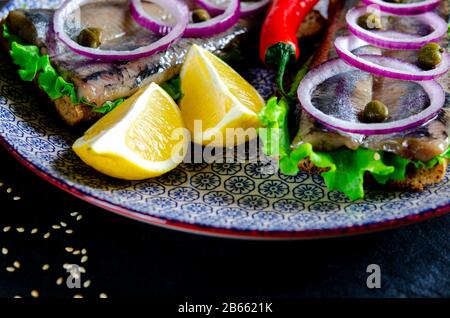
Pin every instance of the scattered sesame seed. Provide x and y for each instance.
(86, 284)
(56, 227)
(66, 266)
(34, 231)
(4, 251)
(16, 264)
(45, 267)
(59, 281)
(84, 259)
(35, 293)
(83, 251)
(20, 229)
(74, 214)
(69, 249)
(82, 269)
(79, 217)
(47, 235)
(76, 252)
(10, 269)
(69, 231)
(376, 156)
(16, 198)
(77, 296)
(17, 296)
(103, 295)
(63, 224)
(6, 229)
(1, 184)
(9, 190)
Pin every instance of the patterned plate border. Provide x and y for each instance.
(228, 233)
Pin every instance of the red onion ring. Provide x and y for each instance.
(344, 46)
(404, 8)
(178, 9)
(338, 66)
(407, 42)
(216, 25)
(246, 7)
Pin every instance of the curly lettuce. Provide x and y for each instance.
(34, 65)
(345, 167)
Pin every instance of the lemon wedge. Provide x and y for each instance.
(219, 107)
(142, 138)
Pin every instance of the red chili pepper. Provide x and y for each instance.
(279, 44)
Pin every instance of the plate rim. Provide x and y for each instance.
(224, 232)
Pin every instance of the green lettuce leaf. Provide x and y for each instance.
(32, 64)
(173, 88)
(345, 167)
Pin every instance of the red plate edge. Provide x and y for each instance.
(226, 233)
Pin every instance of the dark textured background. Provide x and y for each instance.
(130, 259)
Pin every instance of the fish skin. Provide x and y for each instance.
(421, 143)
(98, 82)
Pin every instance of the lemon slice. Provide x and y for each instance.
(142, 138)
(218, 105)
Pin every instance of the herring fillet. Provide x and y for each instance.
(421, 143)
(98, 82)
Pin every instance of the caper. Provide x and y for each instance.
(370, 21)
(90, 37)
(200, 15)
(430, 55)
(375, 112)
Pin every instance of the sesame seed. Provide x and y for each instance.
(77, 296)
(45, 267)
(9, 190)
(59, 281)
(86, 284)
(17, 296)
(63, 224)
(66, 266)
(69, 249)
(10, 269)
(82, 270)
(103, 295)
(84, 259)
(47, 235)
(77, 252)
(79, 217)
(35, 293)
(20, 229)
(6, 229)
(56, 227)
(74, 214)
(34, 231)
(376, 156)
(16, 264)
(16, 198)
(69, 231)
(83, 251)
(4, 251)
(1, 184)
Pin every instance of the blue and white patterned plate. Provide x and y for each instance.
(231, 199)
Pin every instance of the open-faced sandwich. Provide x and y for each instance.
(375, 103)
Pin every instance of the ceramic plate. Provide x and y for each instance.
(247, 200)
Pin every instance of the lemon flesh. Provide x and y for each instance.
(142, 138)
(219, 107)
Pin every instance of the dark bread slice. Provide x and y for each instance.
(416, 180)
